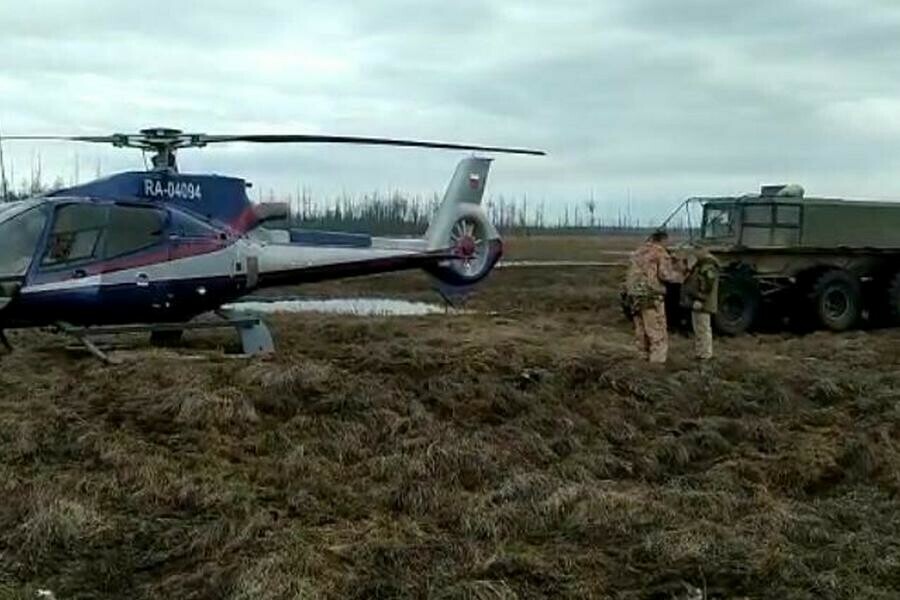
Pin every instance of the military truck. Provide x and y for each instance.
(818, 262)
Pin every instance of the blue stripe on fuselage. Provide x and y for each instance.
(163, 301)
(311, 237)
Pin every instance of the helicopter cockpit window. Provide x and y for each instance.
(132, 228)
(184, 226)
(718, 222)
(85, 232)
(76, 234)
(19, 237)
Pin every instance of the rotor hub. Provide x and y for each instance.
(161, 132)
(466, 246)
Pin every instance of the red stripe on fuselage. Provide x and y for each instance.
(154, 256)
(245, 221)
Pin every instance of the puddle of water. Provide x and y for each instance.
(380, 307)
(558, 263)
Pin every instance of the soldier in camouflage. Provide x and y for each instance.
(700, 293)
(650, 268)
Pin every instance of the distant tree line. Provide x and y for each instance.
(396, 213)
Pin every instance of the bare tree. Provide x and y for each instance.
(591, 206)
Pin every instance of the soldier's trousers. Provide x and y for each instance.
(651, 334)
(703, 337)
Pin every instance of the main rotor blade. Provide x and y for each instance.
(173, 140)
(372, 141)
(100, 139)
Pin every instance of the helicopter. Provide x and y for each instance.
(153, 250)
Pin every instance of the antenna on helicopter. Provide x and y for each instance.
(163, 142)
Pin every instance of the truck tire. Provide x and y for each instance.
(738, 304)
(893, 300)
(837, 299)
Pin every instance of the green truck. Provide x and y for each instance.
(820, 262)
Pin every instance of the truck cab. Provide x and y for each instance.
(772, 219)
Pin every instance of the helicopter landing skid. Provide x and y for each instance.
(4, 342)
(256, 339)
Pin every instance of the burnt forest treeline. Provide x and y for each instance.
(400, 213)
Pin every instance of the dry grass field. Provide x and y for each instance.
(520, 451)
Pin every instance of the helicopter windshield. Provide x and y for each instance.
(21, 226)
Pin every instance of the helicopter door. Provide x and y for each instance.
(102, 255)
(134, 256)
(67, 263)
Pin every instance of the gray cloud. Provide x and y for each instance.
(647, 99)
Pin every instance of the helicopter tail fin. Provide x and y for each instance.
(461, 227)
(465, 191)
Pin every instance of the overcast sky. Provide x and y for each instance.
(652, 100)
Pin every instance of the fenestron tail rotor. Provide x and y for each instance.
(163, 142)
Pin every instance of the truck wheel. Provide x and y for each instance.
(738, 304)
(893, 300)
(837, 299)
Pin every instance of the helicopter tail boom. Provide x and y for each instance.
(460, 247)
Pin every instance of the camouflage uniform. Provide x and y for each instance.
(700, 293)
(651, 267)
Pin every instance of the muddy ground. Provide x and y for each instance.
(519, 452)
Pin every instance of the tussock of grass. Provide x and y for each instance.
(49, 527)
(221, 407)
(478, 590)
(284, 389)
